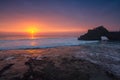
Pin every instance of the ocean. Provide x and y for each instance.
(8, 43)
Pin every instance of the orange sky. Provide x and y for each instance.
(26, 24)
(58, 15)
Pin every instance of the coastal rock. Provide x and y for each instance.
(97, 33)
(5, 68)
(69, 69)
(114, 35)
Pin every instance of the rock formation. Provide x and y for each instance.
(97, 33)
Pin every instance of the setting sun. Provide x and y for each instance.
(32, 31)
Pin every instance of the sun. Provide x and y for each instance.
(32, 31)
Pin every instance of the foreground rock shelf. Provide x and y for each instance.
(64, 68)
(62, 63)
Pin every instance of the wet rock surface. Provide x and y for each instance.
(5, 68)
(67, 69)
(65, 63)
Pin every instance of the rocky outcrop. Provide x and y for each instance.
(97, 33)
(68, 69)
(114, 35)
(5, 68)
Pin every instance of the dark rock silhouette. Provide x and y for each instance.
(98, 32)
(114, 35)
(5, 68)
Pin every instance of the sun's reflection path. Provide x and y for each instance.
(33, 43)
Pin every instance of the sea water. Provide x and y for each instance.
(39, 42)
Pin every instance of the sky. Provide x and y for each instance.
(58, 15)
